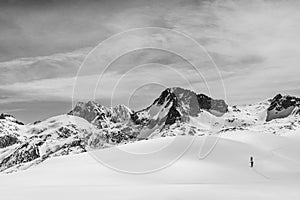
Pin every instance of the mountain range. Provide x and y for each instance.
(177, 111)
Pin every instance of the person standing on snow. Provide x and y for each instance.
(251, 162)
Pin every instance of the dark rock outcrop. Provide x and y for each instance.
(209, 104)
(8, 140)
(89, 111)
(282, 106)
(100, 115)
(175, 105)
(181, 103)
(24, 153)
(10, 118)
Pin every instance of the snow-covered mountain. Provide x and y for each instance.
(283, 106)
(9, 130)
(88, 125)
(176, 105)
(100, 115)
(114, 123)
(33, 143)
(175, 112)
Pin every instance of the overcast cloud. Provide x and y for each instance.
(255, 45)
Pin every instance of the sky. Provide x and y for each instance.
(54, 53)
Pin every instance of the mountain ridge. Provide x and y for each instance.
(176, 111)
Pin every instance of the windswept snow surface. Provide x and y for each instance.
(211, 168)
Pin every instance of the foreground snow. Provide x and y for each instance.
(223, 174)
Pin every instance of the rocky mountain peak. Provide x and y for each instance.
(212, 105)
(177, 104)
(89, 111)
(191, 103)
(176, 111)
(99, 115)
(11, 118)
(121, 113)
(282, 106)
(283, 102)
(9, 130)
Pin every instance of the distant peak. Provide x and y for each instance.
(278, 96)
(5, 115)
(282, 106)
(122, 106)
(86, 103)
(178, 90)
(10, 118)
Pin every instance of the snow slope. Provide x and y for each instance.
(175, 112)
(56, 136)
(223, 174)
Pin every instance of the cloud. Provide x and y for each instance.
(33, 28)
(44, 67)
(253, 43)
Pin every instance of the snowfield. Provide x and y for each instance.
(211, 168)
(183, 146)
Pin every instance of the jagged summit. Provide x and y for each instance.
(176, 105)
(10, 118)
(56, 136)
(5, 116)
(176, 111)
(282, 106)
(179, 104)
(97, 114)
(89, 111)
(9, 130)
(191, 101)
(284, 101)
(179, 97)
(173, 104)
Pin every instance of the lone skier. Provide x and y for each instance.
(251, 162)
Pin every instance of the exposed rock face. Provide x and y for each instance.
(179, 104)
(56, 136)
(162, 111)
(176, 111)
(90, 111)
(176, 105)
(210, 104)
(24, 153)
(186, 101)
(120, 113)
(99, 115)
(280, 102)
(9, 130)
(115, 123)
(282, 106)
(170, 99)
(10, 118)
(8, 140)
(66, 134)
